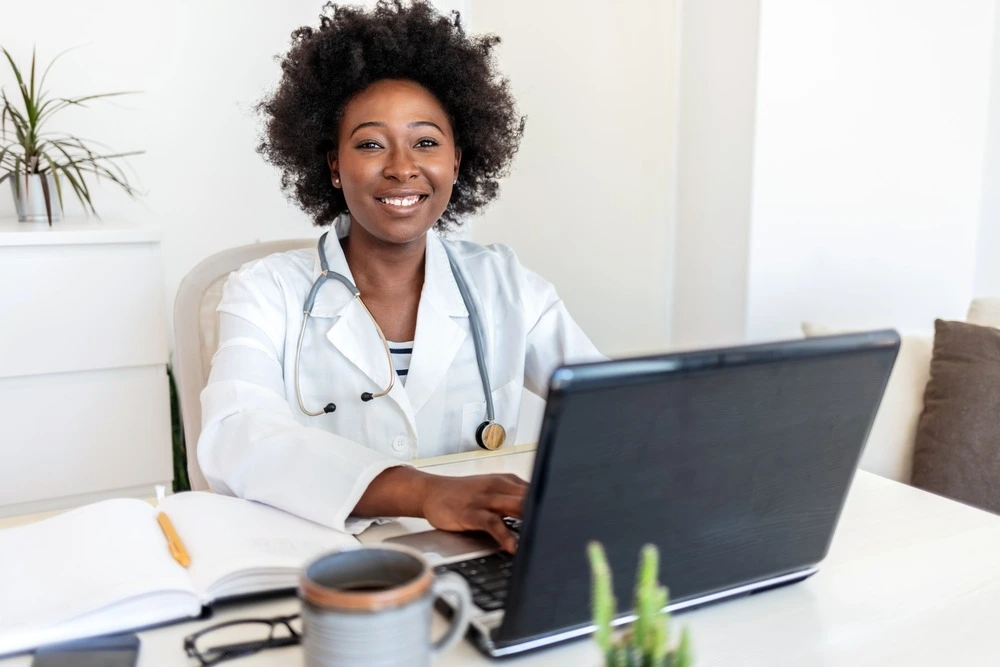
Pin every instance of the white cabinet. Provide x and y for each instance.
(84, 398)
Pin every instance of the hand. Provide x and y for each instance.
(476, 502)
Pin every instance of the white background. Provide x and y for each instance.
(703, 176)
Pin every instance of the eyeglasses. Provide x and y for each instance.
(236, 639)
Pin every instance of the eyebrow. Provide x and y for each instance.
(416, 123)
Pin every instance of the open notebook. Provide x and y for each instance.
(106, 567)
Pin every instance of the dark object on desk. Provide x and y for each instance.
(734, 462)
(240, 638)
(116, 651)
(957, 449)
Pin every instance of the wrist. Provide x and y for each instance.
(396, 491)
(423, 490)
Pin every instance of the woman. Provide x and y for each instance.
(392, 124)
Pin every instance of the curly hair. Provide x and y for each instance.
(354, 48)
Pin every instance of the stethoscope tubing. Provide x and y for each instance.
(470, 305)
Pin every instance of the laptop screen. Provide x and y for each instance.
(735, 463)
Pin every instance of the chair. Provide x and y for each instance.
(196, 334)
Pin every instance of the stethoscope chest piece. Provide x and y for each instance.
(490, 435)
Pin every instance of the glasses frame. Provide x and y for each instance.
(231, 651)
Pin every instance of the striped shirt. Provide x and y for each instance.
(401, 353)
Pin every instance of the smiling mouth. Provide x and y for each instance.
(402, 202)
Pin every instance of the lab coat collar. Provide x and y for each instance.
(440, 287)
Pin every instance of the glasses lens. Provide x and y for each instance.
(243, 638)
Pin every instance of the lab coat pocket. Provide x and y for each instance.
(506, 407)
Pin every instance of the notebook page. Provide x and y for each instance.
(62, 577)
(239, 547)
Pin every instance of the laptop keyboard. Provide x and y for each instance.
(487, 578)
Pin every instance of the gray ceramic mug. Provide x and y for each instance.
(372, 607)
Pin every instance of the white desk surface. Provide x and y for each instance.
(911, 579)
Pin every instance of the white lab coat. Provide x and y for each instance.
(256, 443)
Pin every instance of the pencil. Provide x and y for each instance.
(174, 543)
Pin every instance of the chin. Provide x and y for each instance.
(400, 231)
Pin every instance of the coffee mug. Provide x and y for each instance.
(372, 606)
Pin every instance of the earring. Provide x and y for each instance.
(336, 181)
(455, 182)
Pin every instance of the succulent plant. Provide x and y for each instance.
(646, 642)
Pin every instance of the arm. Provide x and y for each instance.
(554, 338)
(252, 446)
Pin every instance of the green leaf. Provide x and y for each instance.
(47, 196)
(602, 595)
(52, 62)
(63, 102)
(55, 178)
(32, 89)
(181, 481)
(13, 66)
(682, 656)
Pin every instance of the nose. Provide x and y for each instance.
(401, 165)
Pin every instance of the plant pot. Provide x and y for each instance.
(29, 197)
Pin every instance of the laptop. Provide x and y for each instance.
(735, 462)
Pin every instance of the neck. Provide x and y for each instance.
(384, 267)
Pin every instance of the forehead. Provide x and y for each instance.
(394, 101)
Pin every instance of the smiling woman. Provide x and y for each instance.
(397, 160)
(330, 65)
(394, 124)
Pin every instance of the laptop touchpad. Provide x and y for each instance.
(440, 546)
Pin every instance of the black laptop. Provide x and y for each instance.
(734, 462)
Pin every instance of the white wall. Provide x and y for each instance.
(718, 82)
(588, 204)
(868, 166)
(988, 263)
(202, 67)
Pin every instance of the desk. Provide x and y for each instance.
(911, 579)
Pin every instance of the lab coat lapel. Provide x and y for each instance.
(353, 332)
(440, 328)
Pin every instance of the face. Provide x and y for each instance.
(396, 160)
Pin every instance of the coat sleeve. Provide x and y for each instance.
(554, 338)
(251, 445)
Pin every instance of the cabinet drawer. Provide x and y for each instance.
(68, 434)
(85, 307)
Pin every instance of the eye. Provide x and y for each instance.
(368, 145)
(427, 143)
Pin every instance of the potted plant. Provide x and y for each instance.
(646, 642)
(37, 161)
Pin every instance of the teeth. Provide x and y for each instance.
(401, 201)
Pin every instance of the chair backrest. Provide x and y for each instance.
(196, 335)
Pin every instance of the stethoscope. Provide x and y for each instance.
(490, 434)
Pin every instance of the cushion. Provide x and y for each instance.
(889, 451)
(985, 312)
(958, 437)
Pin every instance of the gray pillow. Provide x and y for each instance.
(957, 451)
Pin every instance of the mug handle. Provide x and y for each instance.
(451, 583)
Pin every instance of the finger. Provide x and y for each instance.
(511, 484)
(498, 530)
(505, 505)
(514, 479)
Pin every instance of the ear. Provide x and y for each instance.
(334, 164)
(458, 161)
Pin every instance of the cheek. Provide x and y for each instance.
(441, 172)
